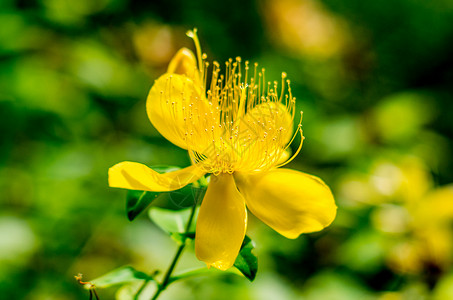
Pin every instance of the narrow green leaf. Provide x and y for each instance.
(120, 276)
(137, 201)
(202, 272)
(247, 262)
(172, 221)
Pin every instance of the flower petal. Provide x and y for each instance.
(264, 133)
(270, 117)
(135, 176)
(221, 224)
(184, 62)
(172, 102)
(289, 201)
(284, 156)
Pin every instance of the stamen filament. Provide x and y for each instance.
(238, 123)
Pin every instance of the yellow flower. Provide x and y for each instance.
(238, 128)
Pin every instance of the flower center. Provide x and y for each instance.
(249, 123)
(235, 120)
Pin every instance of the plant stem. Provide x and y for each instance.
(166, 281)
(140, 290)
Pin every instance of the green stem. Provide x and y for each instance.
(142, 287)
(95, 294)
(161, 287)
(166, 281)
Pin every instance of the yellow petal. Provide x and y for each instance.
(184, 63)
(270, 117)
(135, 176)
(221, 223)
(172, 103)
(284, 156)
(264, 133)
(289, 201)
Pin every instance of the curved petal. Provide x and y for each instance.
(221, 224)
(135, 176)
(174, 107)
(264, 133)
(284, 156)
(289, 201)
(184, 62)
(271, 117)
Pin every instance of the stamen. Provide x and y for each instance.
(236, 123)
(193, 35)
(299, 130)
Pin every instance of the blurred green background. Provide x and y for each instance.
(375, 82)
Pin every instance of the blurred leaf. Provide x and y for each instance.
(17, 241)
(137, 201)
(203, 272)
(331, 285)
(247, 262)
(173, 221)
(21, 34)
(364, 251)
(337, 137)
(70, 13)
(35, 85)
(103, 70)
(401, 116)
(120, 276)
(128, 292)
(169, 221)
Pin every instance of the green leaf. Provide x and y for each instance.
(120, 276)
(172, 221)
(181, 198)
(247, 262)
(137, 201)
(128, 292)
(202, 272)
